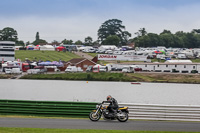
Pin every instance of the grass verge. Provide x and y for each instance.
(80, 76)
(41, 130)
(4, 76)
(125, 77)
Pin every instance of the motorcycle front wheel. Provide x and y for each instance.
(122, 117)
(94, 117)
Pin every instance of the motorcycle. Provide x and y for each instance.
(122, 113)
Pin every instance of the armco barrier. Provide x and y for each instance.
(46, 108)
(82, 109)
(163, 112)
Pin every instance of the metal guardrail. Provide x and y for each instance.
(82, 109)
(163, 112)
(46, 108)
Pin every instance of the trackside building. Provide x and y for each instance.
(7, 51)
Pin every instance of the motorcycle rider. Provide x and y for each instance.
(113, 104)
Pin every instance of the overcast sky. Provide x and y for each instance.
(77, 19)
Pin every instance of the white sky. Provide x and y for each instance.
(59, 22)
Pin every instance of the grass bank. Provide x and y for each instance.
(4, 76)
(44, 55)
(81, 76)
(125, 77)
(166, 78)
(40, 130)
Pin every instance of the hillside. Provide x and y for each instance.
(44, 55)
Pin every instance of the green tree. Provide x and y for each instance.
(191, 41)
(141, 32)
(96, 43)
(37, 36)
(8, 34)
(166, 32)
(113, 27)
(196, 31)
(88, 40)
(27, 43)
(79, 42)
(20, 43)
(65, 41)
(149, 40)
(167, 39)
(112, 40)
(38, 40)
(54, 42)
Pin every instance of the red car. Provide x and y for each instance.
(61, 48)
(136, 68)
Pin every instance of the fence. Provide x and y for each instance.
(46, 108)
(82, 109)
(163, 112)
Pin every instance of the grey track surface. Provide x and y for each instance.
(106, 125)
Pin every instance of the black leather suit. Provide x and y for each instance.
(113, 105)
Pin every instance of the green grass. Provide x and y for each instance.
(4, 76)
(81, 76)
(92, 54)
(44, 55)
(195, 60)
(43, 130)
(126, 77)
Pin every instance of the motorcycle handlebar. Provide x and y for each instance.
(105, 102)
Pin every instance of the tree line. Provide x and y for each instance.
(112, 32)
(178, 40)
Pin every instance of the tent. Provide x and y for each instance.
(48, 63)
(162, 51)
(44, 63)
(55, 63)
(158, 52)
(47, 47)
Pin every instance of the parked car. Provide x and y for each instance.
(92, 50)
(54, 68)
(41, 68)
(8, 71)
(100, 51)
(103, 69)
(136, 68)
(89, 69)
(108, 52)
(16, 71)
(61, 48)
(73, 69)
(128, 69)
(33, 71)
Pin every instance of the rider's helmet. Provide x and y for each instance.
(109, 97)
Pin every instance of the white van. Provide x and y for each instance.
(8, 71)
(128, 69)
(73, 69)
(16, 71)
(181, 56)
(33, 71)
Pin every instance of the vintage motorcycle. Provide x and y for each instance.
(122, 113)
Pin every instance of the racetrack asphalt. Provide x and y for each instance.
(101, 124)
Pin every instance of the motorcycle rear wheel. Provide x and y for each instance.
(94, 117)
(123, 118)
